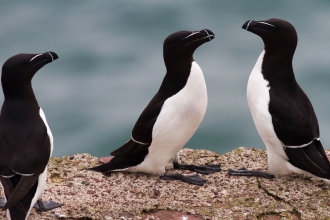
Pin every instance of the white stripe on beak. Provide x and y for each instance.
(190, 35)
(266, 23)
(51, 56)
(35, 56)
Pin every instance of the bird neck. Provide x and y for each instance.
(19, 91)
(277, 67)
(19, 111)
(176, 77)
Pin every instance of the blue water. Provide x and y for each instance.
(110, 64)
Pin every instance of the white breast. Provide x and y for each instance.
(178, 120)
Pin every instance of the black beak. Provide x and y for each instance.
(53, 55)
(43, 58)
(259, 26)
(248, 24)
(204, 35)
(208, 35)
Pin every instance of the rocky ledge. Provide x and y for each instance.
(90, 195)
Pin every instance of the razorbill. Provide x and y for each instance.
(171, 117)
(280, 109)
(26, 141)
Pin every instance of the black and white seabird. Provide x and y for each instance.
(280, 109)
(171, 117)
(26, 141)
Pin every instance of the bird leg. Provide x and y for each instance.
(245, 172)
(41, 206)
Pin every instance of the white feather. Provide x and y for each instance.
(49, 132)
(178, 120)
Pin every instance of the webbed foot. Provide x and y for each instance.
(192, 179)
(245, 172)
(2, 202)
(207, 169)
(41, 206)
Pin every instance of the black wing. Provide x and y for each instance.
(130, 148)
(24, 149)
(173, 82)
(142, 131)
(293, 116)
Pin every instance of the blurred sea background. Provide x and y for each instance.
(110, 64)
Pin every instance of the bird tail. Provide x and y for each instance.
(105, 168)
(311, 158)
(23, 187)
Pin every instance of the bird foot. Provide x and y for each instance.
(245, 172)
(41, 206)
(2, 202)
(207, 169)
(191, 179)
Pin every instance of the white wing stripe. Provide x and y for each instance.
(304, 145)
(138, 141)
